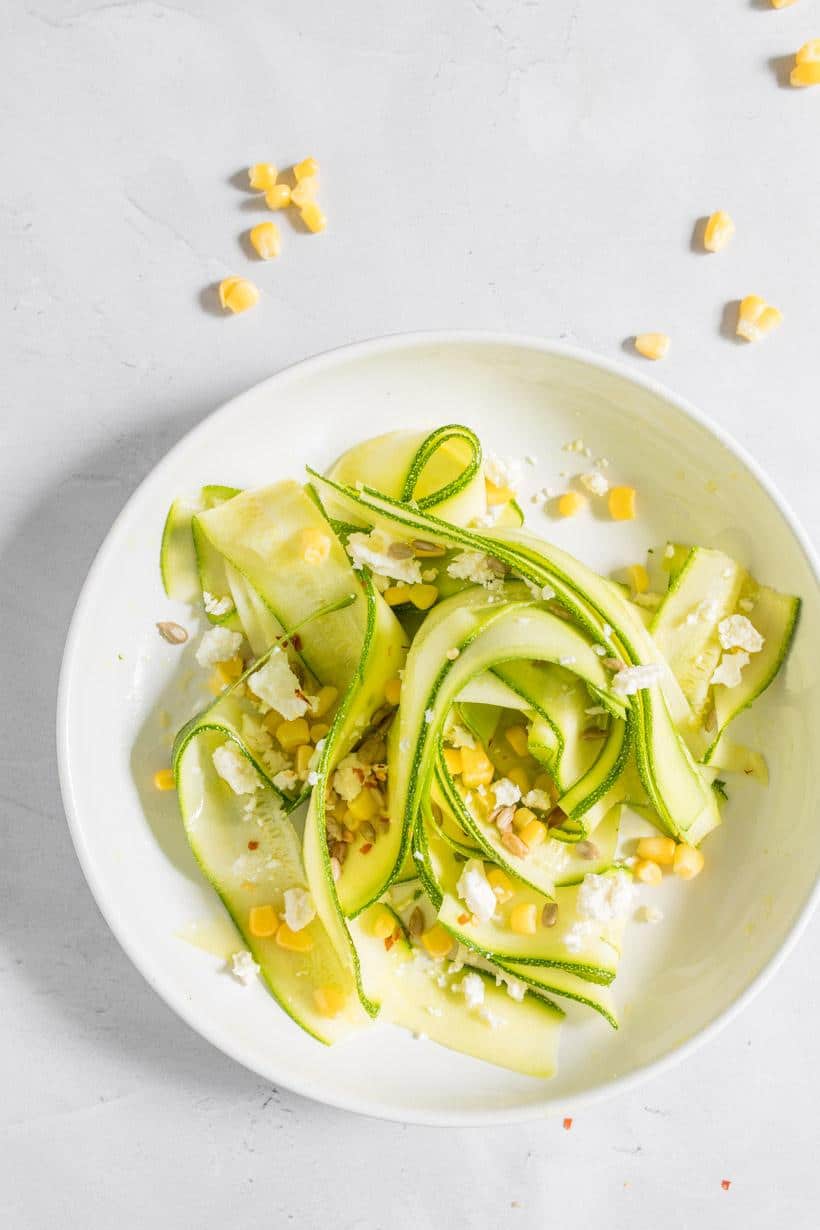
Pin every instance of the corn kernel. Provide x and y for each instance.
(237, 294)
(658, 849)
(437, 941)
(516, 736)
(392, 691)
(314, 545)
(313, 217)
(719, 230)
(688, 862)
(164, 779)
(266, 240)
(782, 4)
(756, 318)
(805, 74)
(497, 495)
(476, 768)
(262, 176)
(638, 578)
(262, 921)
(452, 758)
(229, 671)
(318, 731)
(520, 777)
(622, 503)
(365, 805)
(292, 733)
(304, 755)
(522, 817)
(500, 884)
(524, 918)
(329, 1001)
(423, 596)
(653, 345)
(381, 923)
(278, 196)
(809, 53)
(570, 503)
(305, 192)
(326, 698)
(533, 833)
(647, 871)
(396, 595)
(308, 168)
(294, 941)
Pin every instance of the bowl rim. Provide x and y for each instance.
(308, 366)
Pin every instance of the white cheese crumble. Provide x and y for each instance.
(428, 716)
(538, 800)
(729, 671)
(515, 989)
(569, 660)
(604, 898)
(669, 551)
(299, 908)
(632, 679)
(373, 551)
(475, 890)
(458, 736)
(474, 566)
(472, 988)
(349, 777)
(649, 914)
(277, 686)
(502, 472)
(286, 780)
(217, 645)
(489, 518)
(243, 967)
(235, 769)
(576, 937)
(746, 604)
(595, 482)
(541, 593)
(600, 650)
(738, 632)
(216, 606)
(506, 792)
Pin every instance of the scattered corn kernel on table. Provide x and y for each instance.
(540, 169)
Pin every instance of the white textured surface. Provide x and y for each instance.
(499, 165)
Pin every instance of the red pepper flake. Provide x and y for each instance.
(253, 845)
(567, 1124)
(366, 848)
(463, 918)
(726, 1184)
(296, 642)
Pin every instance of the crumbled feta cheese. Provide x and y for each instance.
(472, 988)
(649, 914)
(632, 679)
(569, 660)
(492, 1018)
(729, 671)
(299, 908)
(452, 654)
(746, 604)
(607, 631)
(669, 551)
(475, 890)
(506, 792)
(515, 989)
(312, 777)
(217, 645)
(235, 769)
(243, 967)
(738, 632)
(705, 612)
(216, 606)
(537, 800)
(502, 472)
(458, 736)
(595, 482)
(604, 898)
(489, 518)
(576, 938)
(428, 716)
(277, 686)
(349, 777)
(373, 550)
(474, 566)
(286, 780)
(600, 650)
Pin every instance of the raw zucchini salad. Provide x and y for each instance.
(428, 728)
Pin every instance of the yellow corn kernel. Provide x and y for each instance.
(314, 545)
(392, 690)
(647, 871)
(262, 176)
(318, 731)
(520, 777)
(423, 596)
(437, 941)
(262, 921)
(719, 230)
(622, 503)
(381, 922)
(292, 733)
(305, 192)
(497, 495)
(756, 318)
(266, 240)
(570, 503)
(304, 755)
(522, 817)
(638, 578)
(237, 294)
(809, 53)
(329, 1001)
(365, 805)
(658, 849)
(476, 768)
(452, 758)
(229, 671)
(534, 833)
(516, 736)
(326, 698)
(308, 168)
(313, 217)
(164, 779)
(524, 918)
(396, 595)
(653, 345)
(278, 196)
(500, 884)
(805, 74)
(782, 4)
(294, 941)
(688, 862)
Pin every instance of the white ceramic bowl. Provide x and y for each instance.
(722, 935)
